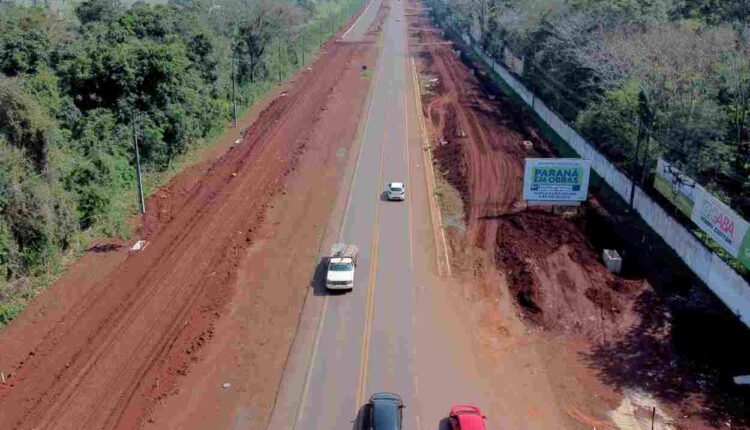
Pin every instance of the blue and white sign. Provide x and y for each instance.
(556, 180)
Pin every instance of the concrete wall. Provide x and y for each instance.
(730, 287)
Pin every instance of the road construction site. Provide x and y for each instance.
(462, 293)
(552, 262)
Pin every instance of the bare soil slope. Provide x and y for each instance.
(552, 268)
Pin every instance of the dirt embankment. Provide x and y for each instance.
(126, 341)
(552, 268)
(552, 261)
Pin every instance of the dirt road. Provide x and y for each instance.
(124, 344)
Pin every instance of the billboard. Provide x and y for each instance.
(556, 180)
(716, 219)
(723, 225)
(679, 189)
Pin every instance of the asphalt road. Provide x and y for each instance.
(365, 339)
(358, 29)
(365, 342)
(353, 345)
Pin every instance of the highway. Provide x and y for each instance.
(356, 344)
(365, 339)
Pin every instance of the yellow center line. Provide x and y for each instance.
(365, 351)
(350, 191)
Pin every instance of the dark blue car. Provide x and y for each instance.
(385, 411)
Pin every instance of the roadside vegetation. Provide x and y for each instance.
(75, 84)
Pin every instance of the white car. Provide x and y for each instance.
(340, 274)
(341, 264)
(396, 191)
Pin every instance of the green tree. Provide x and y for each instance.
(675, 66)
(611, 12)
(734, 97)
(264, 23)
(36, 215)
(24, 122)
(23, 52)
(611, 123)
(77, 84)
(712, 11)
(98, 10)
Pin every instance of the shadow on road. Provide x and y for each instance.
(318, 282)
(444, 424)
(362, 419)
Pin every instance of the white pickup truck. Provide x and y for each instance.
(341, 264)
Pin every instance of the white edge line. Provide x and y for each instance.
(360, 17)
(359, 156)
(437, 207)
(429, 164)
(306, 388)
(426, 161)
(408, 173)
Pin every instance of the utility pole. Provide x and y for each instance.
(279, 61)
(645, 123)
(141, 204)
(320, 33)
(233, 47)
(639, 139)
(234, 102)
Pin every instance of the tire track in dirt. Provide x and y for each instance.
(97, 368)
(491, 157)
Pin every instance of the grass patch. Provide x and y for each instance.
(450, 202)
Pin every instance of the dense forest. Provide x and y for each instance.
(75, 86)
(672, 75)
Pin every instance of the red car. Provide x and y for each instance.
(465, 417)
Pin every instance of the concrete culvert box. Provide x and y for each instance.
(612, 260)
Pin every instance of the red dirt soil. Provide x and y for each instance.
(251, 341)
(559, 281)
(552, 269)
(651, 329)
(123, 343)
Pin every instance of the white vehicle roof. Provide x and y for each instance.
(340, 276)
(340, 260)
(396, 185)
